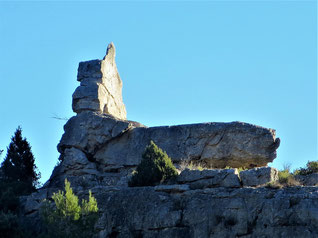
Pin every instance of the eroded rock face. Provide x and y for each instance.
(258, 176)
(210, 178)
(176, 211)
(101, 87)
(116, 143)
(101, 135)
(216, 145)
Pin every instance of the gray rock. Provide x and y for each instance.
(101, 87)
(214, 212)
(258, 176)
(89, 131)
(175, 188)
(210, 178)
(308, 180)
(216, 145)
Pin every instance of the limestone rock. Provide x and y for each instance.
(216, 145)
(210, 178)
(258, 176)
(101, 87)
(175, 188)
(89, 131)
(308, 180)
(211, 212)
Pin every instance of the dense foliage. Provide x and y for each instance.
(155, 167)
(19, 164)
(18, 176)
(66, 217)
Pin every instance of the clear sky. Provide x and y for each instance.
(180, 62)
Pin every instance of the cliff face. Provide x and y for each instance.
(100, 149)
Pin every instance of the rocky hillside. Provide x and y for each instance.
(100, 148)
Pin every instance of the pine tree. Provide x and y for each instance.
(155, 167)
(68, 218)
(19, 164)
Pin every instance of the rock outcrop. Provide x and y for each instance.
(101, 145)
(100, 149)
(101, 86)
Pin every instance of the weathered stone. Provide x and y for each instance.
(308, 180)
(217, 145)
(214, 212)
(175, 188)
(101, 87)
(89, 131)
(210, 178)
(258, 176)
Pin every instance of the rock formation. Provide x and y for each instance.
(100, 149)
(101, 86)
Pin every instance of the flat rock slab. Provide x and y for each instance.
(217, 145)
(210, 178)
(113, 142)
(175, 188)
(258, 176)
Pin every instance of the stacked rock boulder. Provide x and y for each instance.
(100, 149)
(101, 145)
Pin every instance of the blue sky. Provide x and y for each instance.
(180, 62)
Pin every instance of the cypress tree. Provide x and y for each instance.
(19, 166)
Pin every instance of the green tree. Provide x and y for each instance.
(155, 167)
(66, 217)
(19, 164)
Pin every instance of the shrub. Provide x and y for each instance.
(191, 165)
(68, 218)
(155, 167)
(285, 178)
(274, 185)
(311, 167)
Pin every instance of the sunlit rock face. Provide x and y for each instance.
(109, 142)
(100, 148)
(101, 87)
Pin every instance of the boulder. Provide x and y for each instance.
(308, 180)
(258, 176)
(89, 131)
(210, 178)
(216, 145)
(101, 87)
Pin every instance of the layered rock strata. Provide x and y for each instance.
(100, 149)
(177, 211)
(99, 142)
(101, 86)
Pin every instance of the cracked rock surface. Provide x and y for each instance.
(176, 211)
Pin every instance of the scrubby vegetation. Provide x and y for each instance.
(191, 165)
(155, 167)
(286, 178)
(311, 167)
(66, 217)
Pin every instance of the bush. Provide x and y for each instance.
(155, 167)
(285, 178)
(311, 167)
(67, 218)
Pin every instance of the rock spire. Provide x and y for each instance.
(101, 87)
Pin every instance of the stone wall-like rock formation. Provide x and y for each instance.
(101, 134)
(100, 149)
